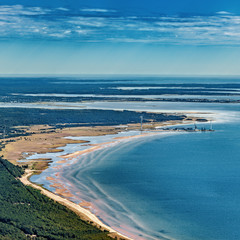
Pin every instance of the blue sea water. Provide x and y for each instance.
(179, 186)
(186, 186)
(182, 186)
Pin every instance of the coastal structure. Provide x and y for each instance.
(190, 129)
(141, 117)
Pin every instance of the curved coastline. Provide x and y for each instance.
(85, 204)
(82, 212)
(72, 158)
(102, 203)
(75, 177)
(61, 187)
(66, 190)
(110, 211)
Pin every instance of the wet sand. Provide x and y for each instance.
(62, 190)
(77, 157)
(45, 142)
(44, 139)
(82, 212)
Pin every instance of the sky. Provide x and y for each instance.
(159, 37)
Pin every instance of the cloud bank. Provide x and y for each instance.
(107, 25)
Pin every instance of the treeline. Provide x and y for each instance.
(103, 86)
(12, 117)
(11, 86)
(27, 214)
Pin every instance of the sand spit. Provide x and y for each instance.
(78, 153)
(43, 139)
(63, 190)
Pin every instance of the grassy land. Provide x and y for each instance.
(26, 213)
(12, 118)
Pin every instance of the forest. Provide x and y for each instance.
(14, 89)
(12, 117)
(27, 214)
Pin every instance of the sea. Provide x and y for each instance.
(181, 185)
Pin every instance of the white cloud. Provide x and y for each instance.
(224, 13)
(88, 21)
(17, 20)
(20, 10)
(63, 9)
(97, 10)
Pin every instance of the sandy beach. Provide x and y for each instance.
(82, 212)
(62, 187)
(43, 139)
(46, 141)
(63, 195)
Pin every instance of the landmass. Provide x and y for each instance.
(43, 128)
(46, 138)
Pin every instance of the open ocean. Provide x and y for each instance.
(182, 186)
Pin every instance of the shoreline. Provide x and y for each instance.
(61, 193)
(97, 181)
(84, 213)
(62, 189)
(76, 156)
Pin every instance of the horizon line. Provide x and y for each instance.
(111, 75)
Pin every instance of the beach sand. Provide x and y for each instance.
(62, 189)
(44, 140)
(85, 214)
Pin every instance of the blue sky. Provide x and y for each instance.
(120, 37)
